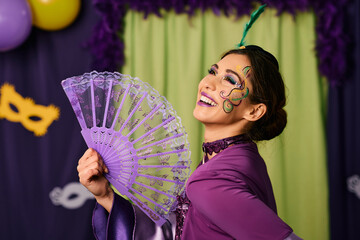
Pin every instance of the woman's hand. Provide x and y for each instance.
(91, 168)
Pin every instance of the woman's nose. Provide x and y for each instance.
(209, 82)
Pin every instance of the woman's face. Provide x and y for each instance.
(222, 94)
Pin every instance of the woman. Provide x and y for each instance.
(229, 196)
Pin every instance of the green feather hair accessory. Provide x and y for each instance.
(254, 16)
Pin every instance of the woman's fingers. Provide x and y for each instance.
(88, 153)
(93, 161)
(85, 177)
(91, 168)
(89, 158)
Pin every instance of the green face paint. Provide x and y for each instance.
(234, 98)
(227, 106)
(245, 71)
(236, 94)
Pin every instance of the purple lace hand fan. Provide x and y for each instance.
(137, 133)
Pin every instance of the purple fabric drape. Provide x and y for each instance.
(343, 138)
(31, 167)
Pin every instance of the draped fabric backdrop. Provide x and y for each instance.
(41, 196)
(343, 139)
(173, 54)
(32, 167)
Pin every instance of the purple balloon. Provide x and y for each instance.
(15, 23)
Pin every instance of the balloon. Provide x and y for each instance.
(54, 15)
(15, 23)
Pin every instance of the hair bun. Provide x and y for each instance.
(280, 121)
(270, 127)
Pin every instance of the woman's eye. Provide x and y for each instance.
(230, 80)
(211, 71)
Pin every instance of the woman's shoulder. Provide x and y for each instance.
(241, 158)
(240, 164)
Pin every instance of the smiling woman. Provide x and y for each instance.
(232, 185)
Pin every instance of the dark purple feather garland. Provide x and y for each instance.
(107, 46)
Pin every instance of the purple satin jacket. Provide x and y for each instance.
(232, 198)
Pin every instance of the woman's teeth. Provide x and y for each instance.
(207, 100)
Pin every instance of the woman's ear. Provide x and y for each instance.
(255, 112)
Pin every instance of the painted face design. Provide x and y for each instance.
(237, 94)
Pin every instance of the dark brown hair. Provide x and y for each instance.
(267, 88)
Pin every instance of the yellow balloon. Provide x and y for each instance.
(54, 15)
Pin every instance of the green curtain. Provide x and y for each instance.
(173, 54)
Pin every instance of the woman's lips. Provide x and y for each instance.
(206, 100)
(204, 94)
(203, 104)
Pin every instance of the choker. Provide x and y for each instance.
(218, 145)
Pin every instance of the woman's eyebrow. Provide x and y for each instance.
(215, 65)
